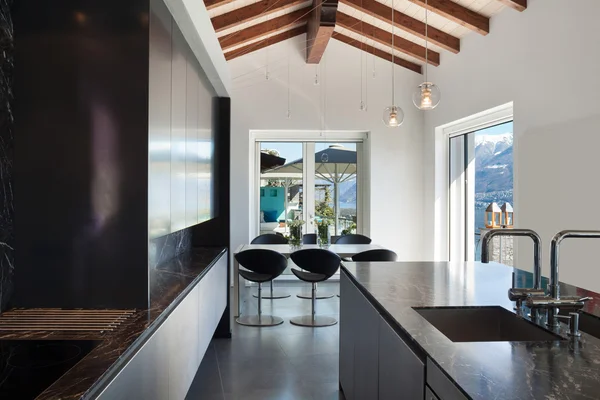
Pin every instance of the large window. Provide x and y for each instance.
(309, 181)
(481, 174)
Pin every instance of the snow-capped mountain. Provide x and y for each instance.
(494, 168)
(499, 138)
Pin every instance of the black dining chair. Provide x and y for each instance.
(318, 265)
(261, 266)
(271, 238)
(353, 239)
(376, 255)
(309, 238)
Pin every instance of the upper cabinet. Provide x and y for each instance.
(181, 131)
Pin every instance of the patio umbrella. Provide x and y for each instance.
(335, 164)
(269, 161)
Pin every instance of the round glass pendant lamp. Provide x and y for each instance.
(393, 116)
(427, 96)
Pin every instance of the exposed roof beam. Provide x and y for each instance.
(376, 52)
(457, 13)
(280, 37)
(210, 4)
(321, 24)
(384, 37)
(406, 23)
(244, 14)
(255, 31)
(519, 5)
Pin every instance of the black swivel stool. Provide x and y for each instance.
(260, 266)
(311, 238)
(376, 255)
(353, 239)
(318, 265)
(271, 238)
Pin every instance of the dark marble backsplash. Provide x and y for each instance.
(167, 247)
(7, 236)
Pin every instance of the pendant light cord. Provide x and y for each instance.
(393, 77)
(426, 44)
(361, 60)
(289, 113)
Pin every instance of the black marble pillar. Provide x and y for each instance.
(6, 155)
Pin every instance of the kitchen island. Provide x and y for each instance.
(389, 350)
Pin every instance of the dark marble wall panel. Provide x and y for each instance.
(6, 156)
(81, 153)
(167, 247)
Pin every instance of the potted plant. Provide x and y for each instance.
(323, 233)
(295, 238)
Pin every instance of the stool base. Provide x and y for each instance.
(275, 295)
(316, 321)
(320, 295)
(259, 320)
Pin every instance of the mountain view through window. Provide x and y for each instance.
(493, 172)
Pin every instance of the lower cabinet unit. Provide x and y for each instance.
(146, 376)
(375, 362)
(164, 367)
(348, 295)
(366, 350)
(443, 387)
(429, 395)
(401, 372)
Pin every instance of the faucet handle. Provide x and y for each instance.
(586, 298)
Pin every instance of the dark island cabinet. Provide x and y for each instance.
(375, 363)
(401, 371)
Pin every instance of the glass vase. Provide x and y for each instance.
(323, 236)
(295, 240)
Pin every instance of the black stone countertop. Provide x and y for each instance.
(169, 283)
(483, 370)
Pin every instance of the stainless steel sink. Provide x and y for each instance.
(484, 324)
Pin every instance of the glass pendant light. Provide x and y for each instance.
(427, 95)
(393, 116)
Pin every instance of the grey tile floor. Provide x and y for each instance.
(275, 363)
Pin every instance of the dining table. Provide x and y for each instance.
(342, 250)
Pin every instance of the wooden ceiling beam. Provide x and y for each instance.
(376, 52)
(519, 5)
(457, 13)
(280, 37)
(384, 37)
(402, 21)
(321, 24)
(256, 31)
(245, 14)
(210, 4)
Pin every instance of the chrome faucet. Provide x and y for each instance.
(554, 286)
(537, 250)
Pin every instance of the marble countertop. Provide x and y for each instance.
(168, 284)
(483, 370)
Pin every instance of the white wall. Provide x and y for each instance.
(396, 170)
(546, 61)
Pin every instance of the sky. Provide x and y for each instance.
(497, 129)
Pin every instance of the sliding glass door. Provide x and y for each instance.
(481, 175)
